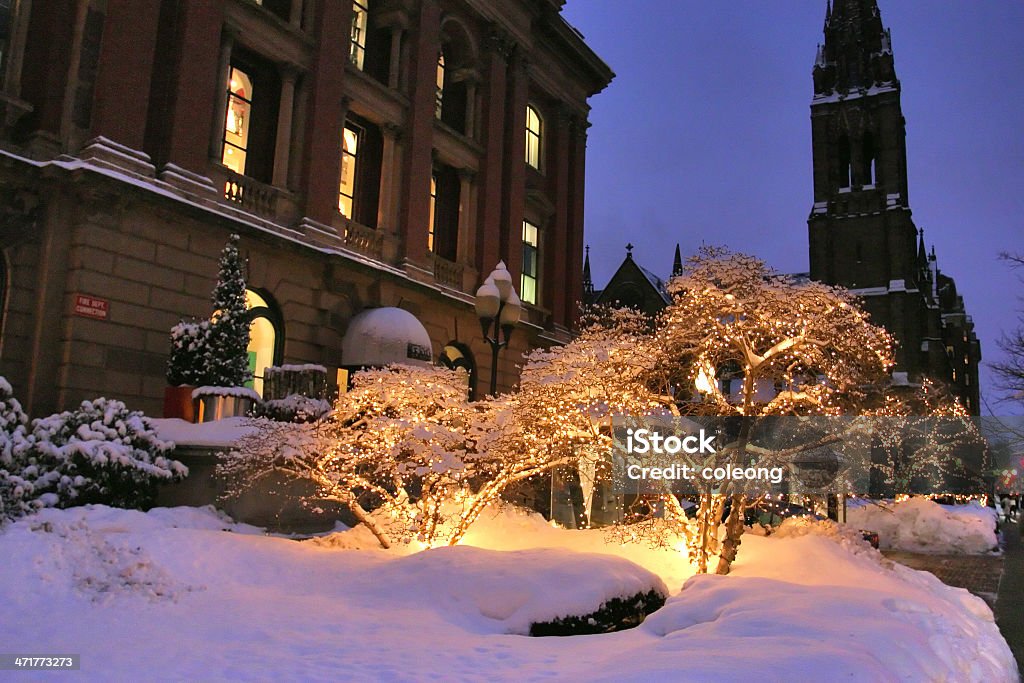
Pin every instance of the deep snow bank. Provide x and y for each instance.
(921, 525)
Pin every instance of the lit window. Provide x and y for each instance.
(360, 19)
(262, 338)
(432, 220)
(531, 269)
(347, 187)
(236, 125)
(439, 92)
(534, 133)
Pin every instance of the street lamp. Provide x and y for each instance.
(499, 308)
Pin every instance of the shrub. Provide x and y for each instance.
(99, 453)
(617, 614)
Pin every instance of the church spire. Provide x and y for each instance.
(857, 53)
(588, 283)
(677, 263)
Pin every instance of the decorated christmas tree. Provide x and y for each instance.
(213, 352)
(226, 361)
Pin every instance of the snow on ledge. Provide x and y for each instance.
(236, 392)
(217, 434)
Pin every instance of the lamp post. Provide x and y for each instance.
(499, 308)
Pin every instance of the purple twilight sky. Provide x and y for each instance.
(704, 135)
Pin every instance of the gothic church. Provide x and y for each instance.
(861, 231)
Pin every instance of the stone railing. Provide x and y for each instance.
(364, 240)
(251, 195)
(447, 273)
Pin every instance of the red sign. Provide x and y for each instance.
(91, 307)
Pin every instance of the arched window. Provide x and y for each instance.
(534, 137)
(266, 336)
(457, 356)
(236, 126)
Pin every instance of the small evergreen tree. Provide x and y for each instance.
(226, 359)
(187, 363)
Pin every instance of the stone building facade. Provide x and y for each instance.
(370, 153)
(861, 230)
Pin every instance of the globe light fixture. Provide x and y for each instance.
(499, 309)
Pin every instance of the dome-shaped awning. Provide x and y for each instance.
(381, 336)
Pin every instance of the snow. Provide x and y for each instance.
(217, 434)
(236, 392)
(921, 525)
(304, 367)
(380, 336)
(185, 594)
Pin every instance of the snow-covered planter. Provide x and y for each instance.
(99, 453)
(216, 403)
(294, 408)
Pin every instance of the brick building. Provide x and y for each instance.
(370, 153)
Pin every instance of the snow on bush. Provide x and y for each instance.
(919, 524)
(15, 490)
(99, 453)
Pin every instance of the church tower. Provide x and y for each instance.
(861, 231)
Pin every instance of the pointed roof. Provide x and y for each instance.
(588, 282)
(857, 52)
(677, 263)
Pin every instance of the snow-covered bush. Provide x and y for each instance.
(187, 364)
(99, 453)
(15, 491)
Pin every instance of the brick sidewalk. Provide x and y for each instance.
(979, 574)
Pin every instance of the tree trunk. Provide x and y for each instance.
(733, 532)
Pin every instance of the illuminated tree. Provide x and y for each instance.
(740, 340)
(926, 438)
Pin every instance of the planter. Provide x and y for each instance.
(178, 403)
(217, 403)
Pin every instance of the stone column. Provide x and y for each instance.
(515, 167)
(199, 86)
(321, 168)
(295, 14)
(558, 262)
(490, 185)
(467, 216)
(577, 173)
(387, 204)
(470, 130)
(282, 147)
(395, 65)
(418, 162)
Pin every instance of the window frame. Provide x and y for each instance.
(359, 135)
(531, 294)
(534, 155)
(228, 146)
(359, 33)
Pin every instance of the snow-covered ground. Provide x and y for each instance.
(184, 594)
(921, 525)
